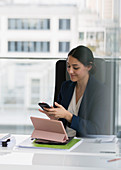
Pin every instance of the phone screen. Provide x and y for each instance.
(44, 105)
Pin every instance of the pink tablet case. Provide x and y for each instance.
(47, 129)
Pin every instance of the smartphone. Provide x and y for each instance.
(44, 105)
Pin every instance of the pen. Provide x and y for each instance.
(107, 152)
(116, 159)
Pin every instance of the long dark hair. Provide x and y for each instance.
(85, 56)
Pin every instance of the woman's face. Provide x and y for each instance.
(77, 71)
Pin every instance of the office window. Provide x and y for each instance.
(25, 24)
(31, 46)
(25, 46)
(29, 24)
(91, 35)
(64, 24)
(18, 23)
(64, 47)
(38, 46)
(19, 46)
(81, 35)
(45, 47)
(44, 24)
(28, 46)
(11, 46)
(99, 36)
(11, 24)
(95, 41)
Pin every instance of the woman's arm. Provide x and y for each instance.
(96, 120)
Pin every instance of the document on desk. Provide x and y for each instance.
(102, 138)
(5, 140)
(29, 143)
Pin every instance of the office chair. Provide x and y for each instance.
(104, 72)
(61, 73)
(60, 76)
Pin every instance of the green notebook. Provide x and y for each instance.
(69, 145)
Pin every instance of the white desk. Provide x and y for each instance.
(86, 157)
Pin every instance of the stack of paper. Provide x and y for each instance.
(29, 143)
(11, 141)
(4, 136)
(102, 138)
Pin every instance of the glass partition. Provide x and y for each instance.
(35, 34)
(24, 83)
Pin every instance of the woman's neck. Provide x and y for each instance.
(81, 84)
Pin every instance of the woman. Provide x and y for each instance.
(82, 102)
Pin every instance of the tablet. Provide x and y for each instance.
(50, 130)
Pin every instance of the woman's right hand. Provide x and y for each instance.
(46, 113)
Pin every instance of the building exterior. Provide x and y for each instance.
(37, 31)
(50, 30)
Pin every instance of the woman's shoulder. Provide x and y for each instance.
(96, 83)
(67, 85)
(97, 86)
